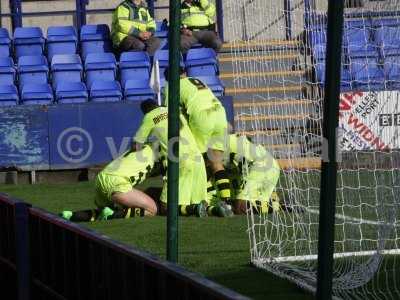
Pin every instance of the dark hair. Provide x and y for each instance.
(148, 105)
(166, 72)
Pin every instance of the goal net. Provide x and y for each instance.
(279, 50)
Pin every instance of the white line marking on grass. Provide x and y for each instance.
(356, 220)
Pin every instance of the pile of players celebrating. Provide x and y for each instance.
(220, 174)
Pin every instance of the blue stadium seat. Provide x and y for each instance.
(105, 91)
(320, 72)
(134, 65)
(367, 73)
(7, 71)
(345, 80)
(100, 66)
(28, 41)
(319, 52)
(36, 94)
(357, 23)
(359, 44)
(66, 68)
(388, 40)
(32, 69)
(161, 29)
(201, 62)
(163, 61)
(391, 68)
(390, 22)
(8, 95)
(317, 37)
(197, 45)
(71, 92)
(138, 90)
(5, 43)
(316, 21)
(95, 39)
(61, 40)
(214, 83)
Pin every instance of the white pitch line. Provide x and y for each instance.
(335, 255)
(357, 220)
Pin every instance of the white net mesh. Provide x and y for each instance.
(279, 69)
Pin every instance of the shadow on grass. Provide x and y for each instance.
(260, 284)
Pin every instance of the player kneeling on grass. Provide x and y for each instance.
(192, 172)
(254, 175)
(115, 195)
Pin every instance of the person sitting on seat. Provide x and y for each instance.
(133, 28)
(198, 25)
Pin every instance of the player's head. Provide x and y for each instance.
(137, 2)
(148, 105)
(182, 72)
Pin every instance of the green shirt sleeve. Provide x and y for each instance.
(165, 96)
(151, 24)
(209, 8)
(122, 23)
(144, 130)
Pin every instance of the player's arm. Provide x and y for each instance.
(208, 7)
(143, 132)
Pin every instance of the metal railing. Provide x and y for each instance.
(47, 257)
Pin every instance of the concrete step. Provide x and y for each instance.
(266, 92)
(271, 74)
(300, 163)
(265, 45)
(263, 81)
(264, 121)
(255, 65)
(275, 107)
(256, 56)
(285, 150)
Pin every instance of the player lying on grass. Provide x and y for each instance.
(192, 172)
(207, 121)
(254, 176)
(115, 195)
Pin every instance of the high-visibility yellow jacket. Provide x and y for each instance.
(129, 19)
(198, 15)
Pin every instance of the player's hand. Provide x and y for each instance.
(187, 32)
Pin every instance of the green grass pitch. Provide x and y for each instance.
(215, 247)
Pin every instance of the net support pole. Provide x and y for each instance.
(220, 18)
(16, 10)
(173, 130)
(329, 150)
(288, 18)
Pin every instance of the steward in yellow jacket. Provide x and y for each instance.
(133, 28)
(198, 25)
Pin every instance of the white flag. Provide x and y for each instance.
(155, 83)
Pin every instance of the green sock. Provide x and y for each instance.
(87, 215)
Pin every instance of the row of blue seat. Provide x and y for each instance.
(101, 66)
(61, 40)
(76, 92)
(317, 21)
(366, 72)
(361, 42)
